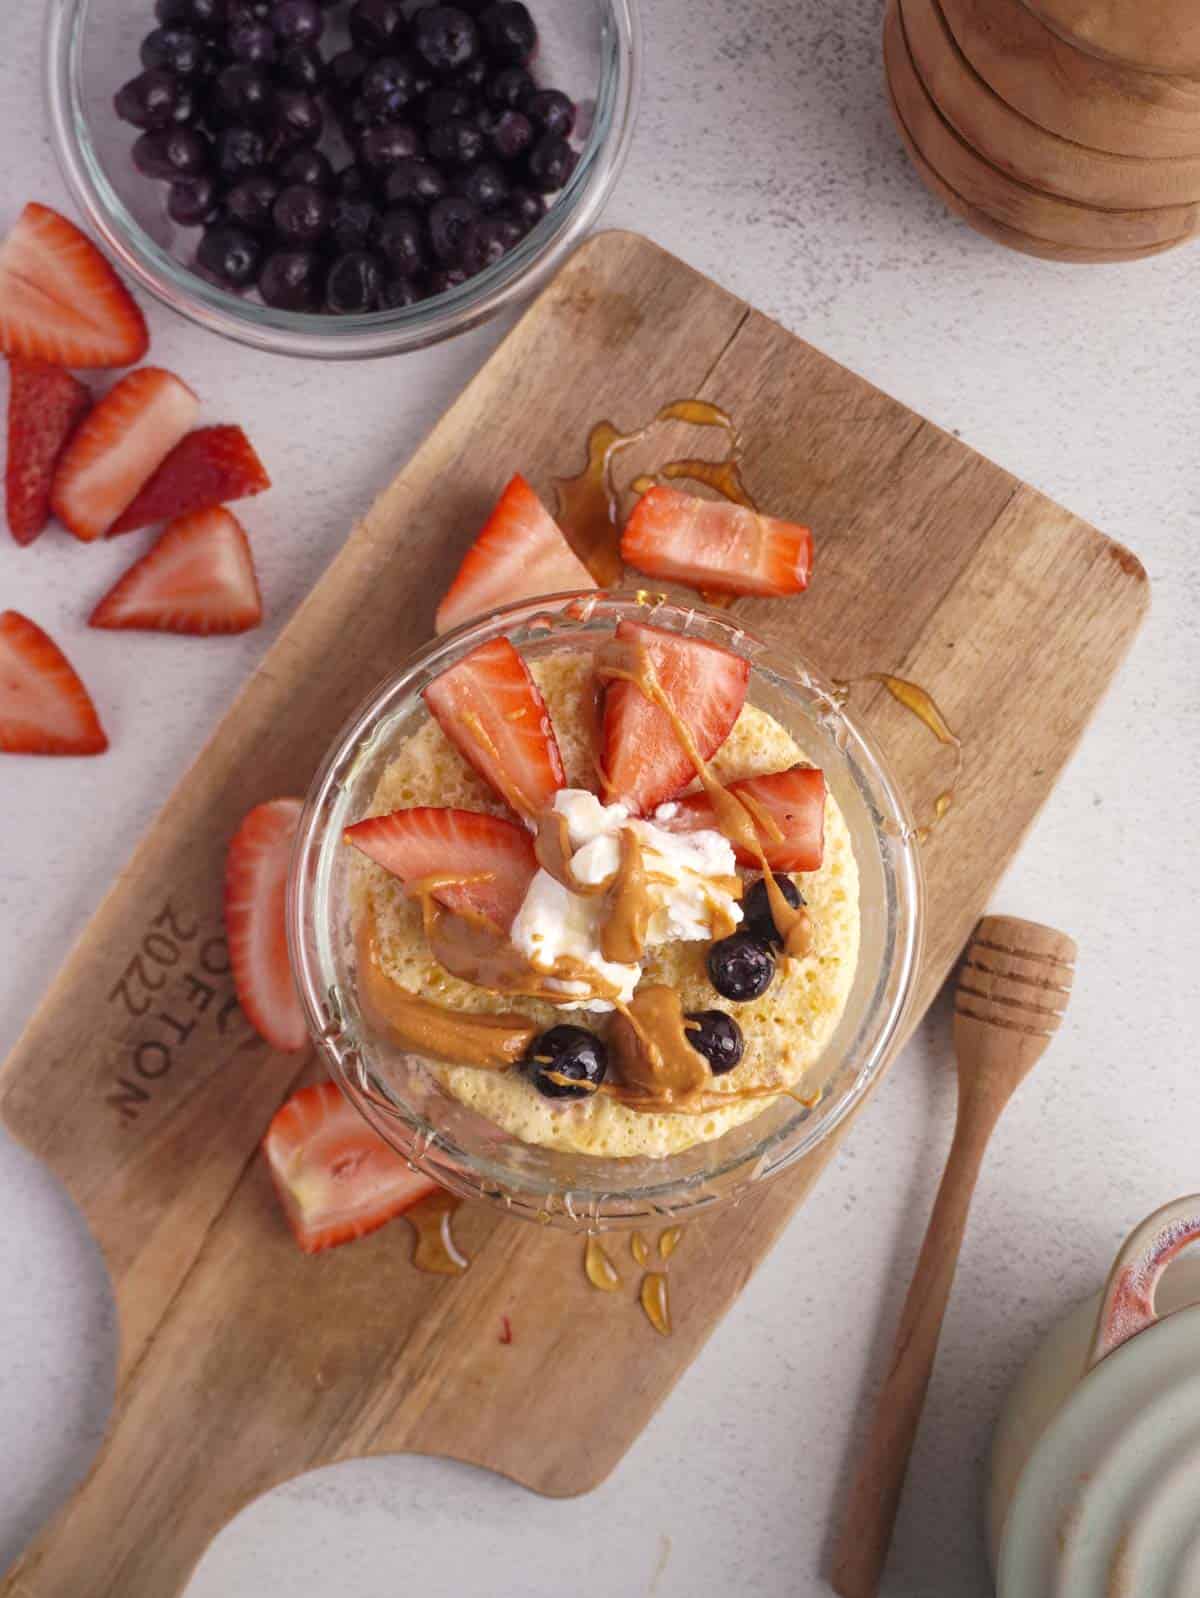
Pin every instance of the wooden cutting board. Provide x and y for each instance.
(243, 1362)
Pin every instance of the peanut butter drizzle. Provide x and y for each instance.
(477, 953)
(488, 1041)
(623, 935)
(657, 1062)
(552, 846)
(511, 792)
(435, 1249)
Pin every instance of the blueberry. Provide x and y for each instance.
(301, 66)
(231, 254)
(472, 77)
(551, 163)
(239, 151)
(485, 186)
(171, 153)
(510, 134)
(525, 208)
(444, 278)
(487, 241)
(445, 38)
(176, 50)
(377, 26)
(442, 104)
(306, 165)
(355, 283)
(297, 119)
(568, 1052)
(243, 93)
(381, 148)
(203, 14)
(345, 73)
(414, 182)
(456, 142)
(354, 224)
(297, 21)
(290, 280)
(402, 243)
(250, 202)
(551, 112)
(387, 87)
(508, 88)
(252, 43)
(450, 221)
(240, 11)
(301, 213)
(352, 182)
(192, 200)
(716, 1036)
(756, 909)
(151, 100)
(740, 967)
(508, 32)
(399, 292)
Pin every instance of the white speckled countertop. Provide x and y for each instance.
(765, 157)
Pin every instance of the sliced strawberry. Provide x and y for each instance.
(256, 872)
(520, 554)
(44, 708)
(123, 442)
(45, 405)
(336, 1177)
(493, 713)
(198, 578)
(60, 301)
(721, 548)
(788, 808)
(642, 759)
(486, 863)
(209, 467)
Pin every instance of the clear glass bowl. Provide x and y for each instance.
(589, 48)
(401, 1096)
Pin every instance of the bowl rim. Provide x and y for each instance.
(551, 1201)
(517, 275)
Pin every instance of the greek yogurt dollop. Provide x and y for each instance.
(553, 921)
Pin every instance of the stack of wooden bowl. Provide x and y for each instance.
(1069, 129)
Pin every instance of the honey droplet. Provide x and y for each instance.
(642, 484)
(638, 1248)
(669, 1242)
(655, 1303)
(435, 1249)
(601, 1272)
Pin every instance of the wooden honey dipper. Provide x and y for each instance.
(1013, 988)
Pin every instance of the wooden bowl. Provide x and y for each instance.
(1093, 102)
(1020, 147)
(1004, 198)
(1155, 35)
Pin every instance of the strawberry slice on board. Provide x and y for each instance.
(45, 405)
(642, 760)
(788, 808)
(256, 872)
(522, 552)
(336, 1177)
(119, 447)
(714, 546)
(44, 707)
(492, 711)
(209, 467)
(60, 301)
(198, 578)
(482, 864)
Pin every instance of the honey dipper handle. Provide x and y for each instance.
(867, 1530)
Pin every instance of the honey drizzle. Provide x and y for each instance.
(655, 1302)
(919, 702)
(435, 1249)
(601, 1272)
(669, 1242)
(639, 1248)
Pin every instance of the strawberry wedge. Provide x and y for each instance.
(44, 707)
(482, 864)
(336, 1177)
(642, 760)
(788, 808)
(45, 405)
(198, 578)
(717, 547)
(118, 448)
(60, 301)
(256, 872)
(493, 713)
(521, 553)
(209, 467)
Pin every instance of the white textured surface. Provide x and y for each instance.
(764, 156)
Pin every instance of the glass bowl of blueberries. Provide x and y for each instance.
(341, 178)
